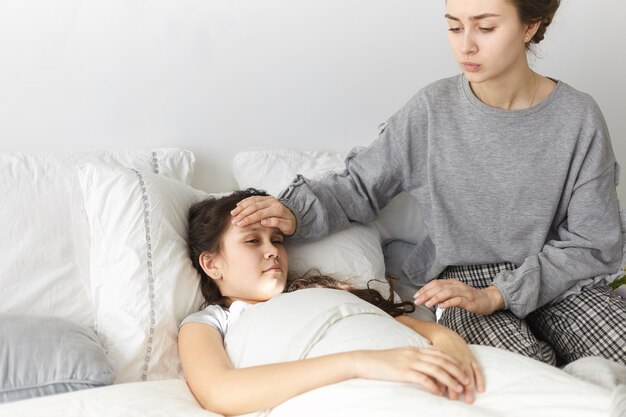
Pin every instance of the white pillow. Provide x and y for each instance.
(353, 254)
(359, 255)
(273, 170)
(142, 281)
(41, 265)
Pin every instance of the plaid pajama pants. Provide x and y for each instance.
(592, 323)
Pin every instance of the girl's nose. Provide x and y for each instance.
(271, 251)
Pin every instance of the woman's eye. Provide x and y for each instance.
(486, 30)
(454, 30)
(277, 242)
(252, 241)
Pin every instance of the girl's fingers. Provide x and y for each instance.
(443, 370)
(479, 377)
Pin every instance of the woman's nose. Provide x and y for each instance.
(468, 46)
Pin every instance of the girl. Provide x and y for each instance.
(515, 176)
(241, 266)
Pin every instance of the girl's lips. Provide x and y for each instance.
(471, 67)
(274, 269)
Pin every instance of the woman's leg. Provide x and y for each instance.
(592, 323)
(500, 329)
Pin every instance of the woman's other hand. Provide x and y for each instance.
(266, 210)
(454, 293)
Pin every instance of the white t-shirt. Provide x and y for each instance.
(221, 318)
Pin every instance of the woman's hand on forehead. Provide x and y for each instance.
(267, 211)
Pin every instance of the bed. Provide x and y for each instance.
(95, 279)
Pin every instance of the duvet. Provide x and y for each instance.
(316, 321)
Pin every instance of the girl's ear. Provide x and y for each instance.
(207, 262)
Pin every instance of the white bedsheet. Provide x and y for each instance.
(170, 397)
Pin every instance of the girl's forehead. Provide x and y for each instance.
(253, 228)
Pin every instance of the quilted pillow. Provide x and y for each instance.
(45, 256)
(44, 355)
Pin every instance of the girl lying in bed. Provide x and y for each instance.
(240, 267)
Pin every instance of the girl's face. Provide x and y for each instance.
(487, 38)
(252, 264)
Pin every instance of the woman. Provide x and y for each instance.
(240, 267)
(515, 176)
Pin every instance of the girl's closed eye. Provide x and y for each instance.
(454, 29)
(486, 29)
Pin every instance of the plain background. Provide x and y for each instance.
(220, 76)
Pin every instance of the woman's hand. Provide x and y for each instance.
(436, 371)
(454, 293)
(267, 210)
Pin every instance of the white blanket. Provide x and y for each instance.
(319, 321)
(314, 322)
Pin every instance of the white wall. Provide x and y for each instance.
(219, 76)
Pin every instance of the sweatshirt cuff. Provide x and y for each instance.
(518, 288)
(291, 201)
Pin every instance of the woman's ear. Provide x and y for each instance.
(530, 31)
(208, 264)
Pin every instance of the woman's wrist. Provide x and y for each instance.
(496, 300)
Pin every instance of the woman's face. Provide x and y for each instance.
(252, 263)
(487, 38)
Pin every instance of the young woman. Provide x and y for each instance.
(515, 176)
(241, 266)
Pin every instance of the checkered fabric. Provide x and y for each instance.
(592, 323)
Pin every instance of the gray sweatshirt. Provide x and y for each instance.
(534, 187)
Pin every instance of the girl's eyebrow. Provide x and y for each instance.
(477, 17)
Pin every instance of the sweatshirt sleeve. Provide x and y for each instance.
(585, 244)
(371, 178)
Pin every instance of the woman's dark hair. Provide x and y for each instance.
(209, 219)
(531, 11)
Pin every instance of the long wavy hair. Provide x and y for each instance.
(209, 219)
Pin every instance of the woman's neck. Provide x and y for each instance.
(516, 91)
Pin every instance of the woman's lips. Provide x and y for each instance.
(471, 67)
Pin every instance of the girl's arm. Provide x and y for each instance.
(221, 388)
(448, 341)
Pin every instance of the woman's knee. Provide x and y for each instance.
(500, 329)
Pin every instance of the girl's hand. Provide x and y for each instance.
(436, 371)
(267, 210)
(454, 293)
(454, 345)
